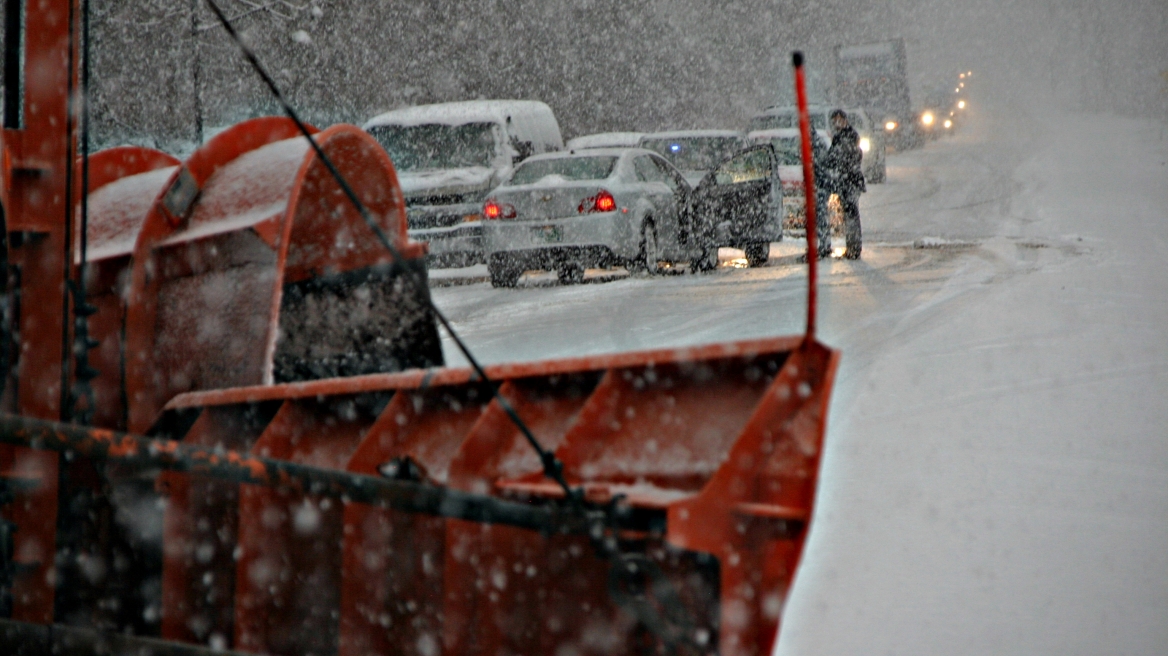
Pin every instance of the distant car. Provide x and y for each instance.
(788, 152)
(872, 140)
(605, 140)
(448, 156)
(630, 207)
(938, 115)
(695, 152)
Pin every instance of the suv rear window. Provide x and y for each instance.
(568, 168)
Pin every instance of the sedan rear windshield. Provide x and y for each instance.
(437, 146)
(567, 168)
(695, 153)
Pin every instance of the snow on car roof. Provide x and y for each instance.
(779, 133)
(605, 140)
(693, 134)
(459, 113)
(589, 152)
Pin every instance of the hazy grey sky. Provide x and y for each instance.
(607, 64)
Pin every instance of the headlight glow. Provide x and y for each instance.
(927, 118)
(960, 104)
(948, 124)
(890, 126)
(865, 145)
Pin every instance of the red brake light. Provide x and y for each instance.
(601, 202)
(493, 210)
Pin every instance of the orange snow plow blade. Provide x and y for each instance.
(299, 475)
(711, 454)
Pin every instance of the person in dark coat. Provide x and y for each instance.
(845, 178)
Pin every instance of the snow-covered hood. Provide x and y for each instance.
(442, 182)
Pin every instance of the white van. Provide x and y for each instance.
(448, 156)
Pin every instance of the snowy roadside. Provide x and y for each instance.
(997, 473)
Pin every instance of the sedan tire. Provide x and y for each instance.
(504, 272)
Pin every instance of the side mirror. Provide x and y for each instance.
(523, 150)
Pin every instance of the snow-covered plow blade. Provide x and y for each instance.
(403, 513)
(246, 265)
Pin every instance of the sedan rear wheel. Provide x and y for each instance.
(504, 272)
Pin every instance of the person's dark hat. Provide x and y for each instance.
(838, 113)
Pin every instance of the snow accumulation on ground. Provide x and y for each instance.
(996, 470)
(996, 479)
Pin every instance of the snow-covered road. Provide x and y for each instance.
(996, 475)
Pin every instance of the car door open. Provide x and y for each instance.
(739, 202)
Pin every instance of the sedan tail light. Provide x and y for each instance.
(603, 201)
(495, 210)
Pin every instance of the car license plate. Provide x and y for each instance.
(549, 233)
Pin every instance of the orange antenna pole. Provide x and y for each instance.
(808, 193)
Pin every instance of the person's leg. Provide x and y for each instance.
(852, 233)
(822, 225)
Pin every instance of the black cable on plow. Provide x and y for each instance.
(629, 572)
(83, 373)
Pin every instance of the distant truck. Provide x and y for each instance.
(875, 76)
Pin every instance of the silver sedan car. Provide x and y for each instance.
(626, 206)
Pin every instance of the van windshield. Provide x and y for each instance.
(695, 153)
(567, 168)
(435, 146)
